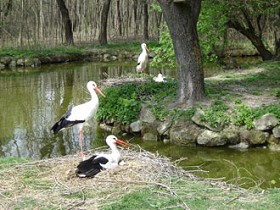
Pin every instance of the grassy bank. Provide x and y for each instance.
(144, 181)
(44, 51)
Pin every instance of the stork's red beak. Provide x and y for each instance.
(99, 91)
(122, 143)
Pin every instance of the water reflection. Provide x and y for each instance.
(31, 102)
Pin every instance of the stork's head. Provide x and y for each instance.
(92, 84)
(111, 139)
(144, 47)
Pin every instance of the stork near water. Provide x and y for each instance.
(142, 59)
(78, 115)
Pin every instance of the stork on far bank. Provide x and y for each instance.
(97, 163)
(142, 59)
(80, 114)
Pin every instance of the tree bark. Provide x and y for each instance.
(104, 20)
(66, 21)
(181, 19)
(146, 20)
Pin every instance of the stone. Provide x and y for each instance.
(276, 131)
(5, 60)
(197, 120)
(164, 126)
(106, 57)
(184, 135)
(146, 115)
(211, 138)
(258, 137)
(232, 135)
(136, 126)
(241, 145)
(266, 122)
(274, 147)
(20, 62)
(12, 64)
(149, 137)
(36, 62)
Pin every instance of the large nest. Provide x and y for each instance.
(52, 183)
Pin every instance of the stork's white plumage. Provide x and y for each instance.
(78, 115)
(142, 59)
(159, 78)
(97, 163)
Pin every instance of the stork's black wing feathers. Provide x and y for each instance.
(90, 167)
(64, 123)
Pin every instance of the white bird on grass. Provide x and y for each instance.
(159, 78)
(97, 163)
(78, 115)
(142, 59)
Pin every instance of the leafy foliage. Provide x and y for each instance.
(211, 26)
(121, 104)
(215, 115)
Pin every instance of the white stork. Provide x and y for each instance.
(97, 163)
(142, 59)
(78, 115)
(159, 78)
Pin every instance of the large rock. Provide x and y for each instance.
(276, 131)
(150, 137)
(232, 135)
(146, 115)
(184, 133)
(254, 137)
(136, 126)
(197, 120)
(266, 122)
(164, 126)
(211, 138)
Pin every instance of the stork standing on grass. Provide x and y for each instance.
(142, 59)
(97, 163)
(79, 115)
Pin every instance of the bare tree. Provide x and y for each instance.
(67, 22)
(104, 21)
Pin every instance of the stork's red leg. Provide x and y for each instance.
(81, 143)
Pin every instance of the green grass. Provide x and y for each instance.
(183, 194)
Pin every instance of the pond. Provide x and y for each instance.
(32, 100)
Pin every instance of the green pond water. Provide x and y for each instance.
(32, 100)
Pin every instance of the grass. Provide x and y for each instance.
(43, 51)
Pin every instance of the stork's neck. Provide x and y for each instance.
(115, 151)
(93, 94)
(144, 49)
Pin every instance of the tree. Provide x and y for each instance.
(146, 20)
(67, 22)
(104, 20)
(254, 19)
(181, 19)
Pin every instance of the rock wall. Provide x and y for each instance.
(191, 133)
(92, 55)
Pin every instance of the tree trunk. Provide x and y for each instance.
(181, 19)
(66, 21)
(104, 20)
(146, 20)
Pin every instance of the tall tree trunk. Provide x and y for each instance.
(104, 20)
(119, 18)
(66, 21)
(146, 20)
(181, 19)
